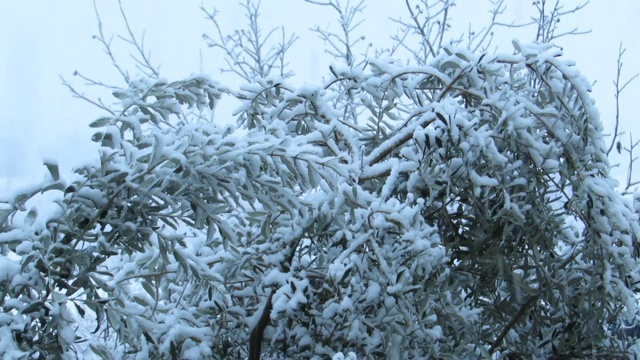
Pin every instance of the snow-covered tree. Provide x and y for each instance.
(457, 204)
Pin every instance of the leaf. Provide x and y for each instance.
(226, 232)
(451, 64)
(181, 260)
(104, 273)
(148, 288)
(80, 283)
(98, 310)
(31, 217)
(218, 305)
(100, 351)
(212, 102)
(53, 169)
(211, 231)
(144, 158)
(120, 95)
(158, 149)
(101, 122)
(70, 189)
(154, 118)
(399, 276)
(516, 46)
(20, 200)
(438, 141)
(345, 274)
(543, 98)
(313, 181)
(55, 186)
(27, 261)
(113, 318)
(173, 350)
(101, 283)
(167, 221)
(118, 177)
(148, 337)
(79, 309)
(145, 110)
(140, 301)
(265, 227)
(107, 141)
(462, 56)
(33, 307)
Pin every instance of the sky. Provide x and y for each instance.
(42, 41)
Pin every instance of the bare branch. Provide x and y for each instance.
(144, 60)
(547, 21)
(107, 45)
(619, 89)
(249, 53)
(342, 44)
(98, 103)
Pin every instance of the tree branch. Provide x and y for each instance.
(523, 309)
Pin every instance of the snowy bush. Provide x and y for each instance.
(456, 207)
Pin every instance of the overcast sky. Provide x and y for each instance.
(44, 40)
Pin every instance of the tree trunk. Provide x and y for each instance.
(257, 334)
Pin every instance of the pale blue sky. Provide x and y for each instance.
(43, 40)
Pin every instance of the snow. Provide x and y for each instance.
(332, 217)
(340, 356)
(8, 347)
(9, 268)
(50, 161)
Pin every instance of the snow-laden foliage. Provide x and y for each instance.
(455, 209)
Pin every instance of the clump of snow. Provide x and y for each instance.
(340, 356)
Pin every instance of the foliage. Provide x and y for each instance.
(456, 207)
